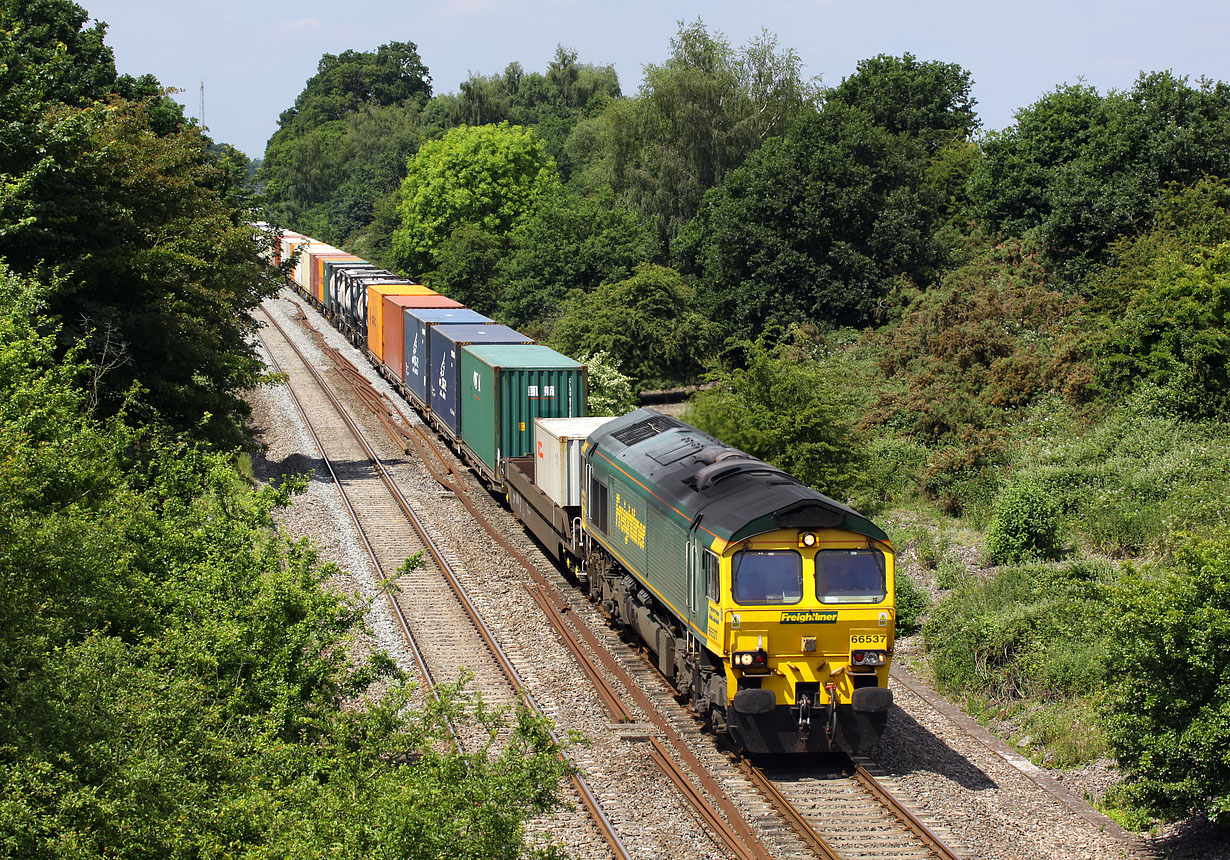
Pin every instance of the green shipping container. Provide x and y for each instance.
(504, 387)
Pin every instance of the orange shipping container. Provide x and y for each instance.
(393, 347)
(318, 269)
(375, 310)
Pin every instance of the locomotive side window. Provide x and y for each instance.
(713, 582)
(599, 508)
(850, 576)
(767, 577)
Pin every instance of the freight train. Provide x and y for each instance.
(768, 605)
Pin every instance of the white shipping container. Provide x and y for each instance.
(303, 270)
(558, 466)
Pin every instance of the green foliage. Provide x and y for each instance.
(1169, 720)
(569, 243)
(930, 101)
(50, 57)
(646, 323)
(786, 407)
(1166, 309)
(1083, 169)
(490, 176)
(610, 391)
(911, 602)
(136, 219)
(1126, 483)
(173, 673)
(967, 354)
(817, 225)
(552, 102)
(344, 144)
(1033, 632)
(466, 267)
(1025, 524)
(698, 115)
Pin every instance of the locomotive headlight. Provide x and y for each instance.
(807, 539)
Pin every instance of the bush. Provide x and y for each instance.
(1024, 525)
(1169, 720)
(1028, 631)
(1127, 483)
(912, 602)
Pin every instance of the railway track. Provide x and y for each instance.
(778, 811)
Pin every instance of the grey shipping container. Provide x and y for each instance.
(446, 342)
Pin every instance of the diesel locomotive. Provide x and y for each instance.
(767, 604)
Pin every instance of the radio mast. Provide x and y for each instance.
(201, 112)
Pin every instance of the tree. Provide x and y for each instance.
(491, 176)
(345, 142)
(1170, 738)
(176, 680)
(815, 226)
(1083, 169)
(1164, 308)
(697, 116)
(569, 243)
(929, 101)
(786, 407)
(137, 224)
(645, 323)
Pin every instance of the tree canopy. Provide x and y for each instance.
(1083, 169)
(490, 176)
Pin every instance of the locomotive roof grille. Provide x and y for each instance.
(647, 429)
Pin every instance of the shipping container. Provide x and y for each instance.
(291, 244)
(446, 343)
(335, 288)
(504, 388)
(419, 322)
(558, 464)
(353, 295)
(284, 243)
(376, 293)
(303, 268)
(395, 310)
(320, 286)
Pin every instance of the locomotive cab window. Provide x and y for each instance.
(599, 509)
(850, 576)
(767, 577)
(713, 581)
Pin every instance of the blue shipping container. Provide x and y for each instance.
(419, 323)
(445, 343)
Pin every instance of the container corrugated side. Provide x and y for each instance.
(504, 388)
(376, 294)
(558, 464)
(419, 322)
(320, 286)
(446, 344)
(396, 309)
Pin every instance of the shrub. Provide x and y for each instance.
(1169, 720)
(1028, 631)
(911, 601)
(950, 574)
(1024, 525)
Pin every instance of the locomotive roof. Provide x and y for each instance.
(733, 495)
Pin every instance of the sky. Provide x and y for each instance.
(255, 57)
